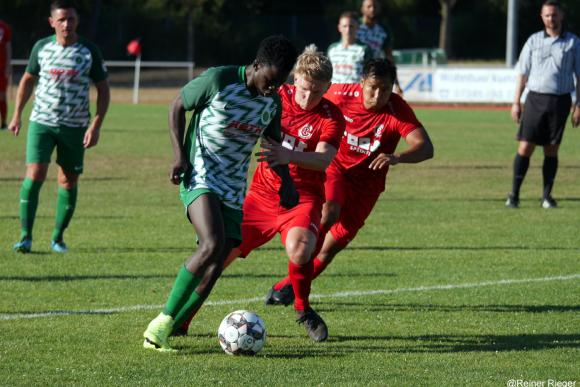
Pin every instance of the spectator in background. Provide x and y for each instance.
(378, 37)
(547, 65)
(5, 68)
(348, 55)
(61, 66)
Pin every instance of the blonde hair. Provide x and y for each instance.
(313, 64)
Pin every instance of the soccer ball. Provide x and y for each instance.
(242, 333)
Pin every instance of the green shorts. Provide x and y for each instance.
(232, 217)
(42, 139)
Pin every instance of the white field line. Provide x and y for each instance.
(124, 309)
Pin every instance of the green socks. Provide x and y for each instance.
(194, 303)
(182, 293)
(65, 207)
(28, 204)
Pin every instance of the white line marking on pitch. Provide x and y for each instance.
(124, 309)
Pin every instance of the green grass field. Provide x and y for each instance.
(443, 286)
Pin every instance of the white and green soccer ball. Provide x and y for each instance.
(242, 333)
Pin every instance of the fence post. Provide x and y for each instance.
(136, 79)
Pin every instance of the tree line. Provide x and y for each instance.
(227, 31)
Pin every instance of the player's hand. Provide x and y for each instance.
(516, 112)
(178, 170)
(15, 125)
(273, 153)
(91, 138)
(289, 196)
(383, 160)
(576, 116)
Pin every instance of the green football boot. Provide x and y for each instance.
(157, 333)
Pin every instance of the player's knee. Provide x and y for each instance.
(209, 249)
(299, 253)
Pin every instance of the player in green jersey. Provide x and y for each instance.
(61, 66)
(233, 106)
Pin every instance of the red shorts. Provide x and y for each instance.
(356, 202)
(264, 217)
(3, 81)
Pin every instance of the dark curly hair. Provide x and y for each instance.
(380, 68)
(277, 51)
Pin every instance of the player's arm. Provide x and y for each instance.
(103, 99)
(576, 108)
(278, 161)
(275, 154)
(289, 196)
(176, 135)
(23, 94)
(420, 148)
(516, 111)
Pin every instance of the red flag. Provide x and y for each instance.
(134, 47)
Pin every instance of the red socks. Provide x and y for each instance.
(319, 267)
(301, 279)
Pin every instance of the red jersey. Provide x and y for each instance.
(302, 130)
(5, 37)
(369, 133)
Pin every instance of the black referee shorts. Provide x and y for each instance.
(544, 118)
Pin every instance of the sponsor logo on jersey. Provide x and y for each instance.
(56, 73)
(348, 119)
(265, 117)
(245, 127)
(306, 131)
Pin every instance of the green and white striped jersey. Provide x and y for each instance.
(226, 124)
(62, 92)
(348, 62)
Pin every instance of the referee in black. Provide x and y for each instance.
(547, 65)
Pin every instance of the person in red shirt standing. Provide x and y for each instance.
(311, 130)
(5, 68)
(376, 119)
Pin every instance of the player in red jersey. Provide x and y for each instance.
(5, 68)
(376, 119)
(311, 131)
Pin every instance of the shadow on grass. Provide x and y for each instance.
(373, 307)
(338, 346)
(84, 217)
(458, 343)
(280, 250)
(68, 278)
(82, 277)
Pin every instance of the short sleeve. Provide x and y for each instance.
(406, 119)
(199, 91)
(334, 126)
(98, 68)
(525, 60)
(389, 39)
(33, 66)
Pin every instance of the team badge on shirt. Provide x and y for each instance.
(306, 131)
